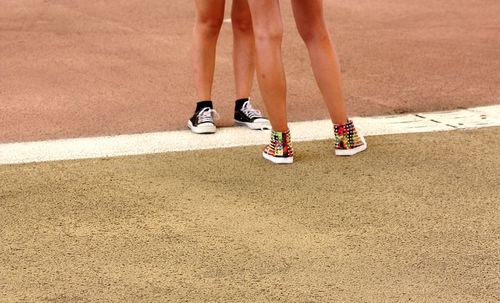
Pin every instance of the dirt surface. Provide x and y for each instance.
(85, 68)
(414, 219)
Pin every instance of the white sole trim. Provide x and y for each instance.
(276, 160)
(204, 128)
(255, 125)
(173, 141)
(353, 151)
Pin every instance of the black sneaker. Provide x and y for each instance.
(250, 117)
(202, 122)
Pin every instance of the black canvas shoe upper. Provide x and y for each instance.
(246, 113)
(204, 113)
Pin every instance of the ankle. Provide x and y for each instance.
(202, 104)
(281, 129)
(277, 132)
(345, 122)
(238, 104)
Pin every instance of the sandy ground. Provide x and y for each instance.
(86, 68)
(415, 219)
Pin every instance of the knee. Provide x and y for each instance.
(208, 26)
(271, 34)
(242, 25)
(313, 32)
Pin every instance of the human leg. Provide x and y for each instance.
(324, 61)
(268, 31)
(244, 66)
(208, 21)
(312, 27)
(243, 48)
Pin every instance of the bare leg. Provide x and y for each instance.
(243, 48)
(312, 28)
(209, 18)
(268, 30)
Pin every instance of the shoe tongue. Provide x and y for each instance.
(207, 111)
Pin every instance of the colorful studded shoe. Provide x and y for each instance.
(348, 141)
(280, 149)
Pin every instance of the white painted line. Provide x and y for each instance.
(124, 145)
(465, 118)
(227, 20)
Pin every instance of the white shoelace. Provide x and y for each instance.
(207, 115)
(251, 112)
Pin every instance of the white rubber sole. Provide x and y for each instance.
(257, 125)
(352, 152)
(204, 128)
(288, 160)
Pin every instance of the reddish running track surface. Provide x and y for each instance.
(87, 68)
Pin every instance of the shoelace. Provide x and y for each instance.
(251, 112)
(207, 115)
